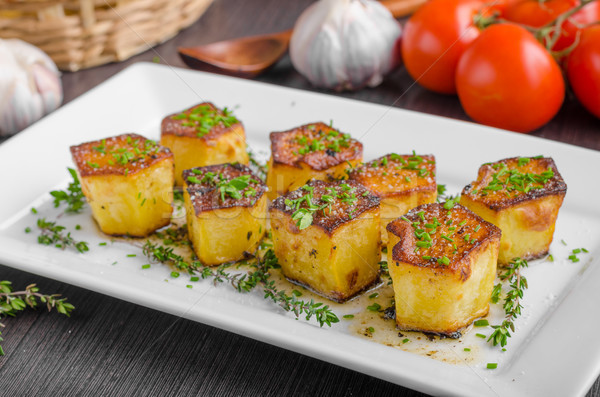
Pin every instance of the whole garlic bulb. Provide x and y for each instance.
(30, 85)
(345, 44)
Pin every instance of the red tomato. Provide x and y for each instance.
(588, 14)
(435, 38)
(538, 13)
(583, 69)
(506, 79)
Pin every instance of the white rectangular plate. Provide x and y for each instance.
(555, 350)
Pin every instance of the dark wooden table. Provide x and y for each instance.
(111, 347)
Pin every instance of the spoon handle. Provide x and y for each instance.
(402, 8)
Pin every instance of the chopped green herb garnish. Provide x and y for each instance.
(481, 323)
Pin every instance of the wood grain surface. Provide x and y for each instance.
(114, 348)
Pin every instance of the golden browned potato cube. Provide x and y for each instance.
(128, 182)
(326, 237)
(402, 182)
(203, 135)
(442, 263)
(226, 210)
(521, 196)
(312, 151)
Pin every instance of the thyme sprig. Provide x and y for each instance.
(54, 234)
(73, 196)
(12, 302)
(246, 282)
(512, 301)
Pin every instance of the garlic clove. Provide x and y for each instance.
(345, 44)
(30, 85)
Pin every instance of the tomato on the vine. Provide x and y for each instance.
(435, 38)
(536, 13)
(507, 79)
(583, 69)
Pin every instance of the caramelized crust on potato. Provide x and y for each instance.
(226, 211)
(509, 182)
(203, 135)
(317, 145)
(207, 186)
(443, 264)
(453, 234)
(522, 196)
(120, 155)
(402, 182)
(396, 175)
(342, 201)
(330, 245)
(204, 121)
(311, 151)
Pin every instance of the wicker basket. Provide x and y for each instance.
(79, 34)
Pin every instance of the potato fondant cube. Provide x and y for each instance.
(442, 261)
(522, 196)
(128, 182)
(326, 237)
(226, 210)
(312, 151)
(203, 135)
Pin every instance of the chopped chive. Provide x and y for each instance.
(349, 316)
(102, 244)
(371, 329)
(189, 286)
(131, 255)
(584, 250)
(375, 295)
(481, 336)
(576, 250)
(467, 349)
(405, 340)
(426, 257)
(33, 210)
(174, 274)
(195, 278)
(563, 242)
(481, 323)
(27, 230)
(374, 307)
(477, 228)
(146, 266)
(492, 365)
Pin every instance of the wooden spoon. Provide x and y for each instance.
(250, 56)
